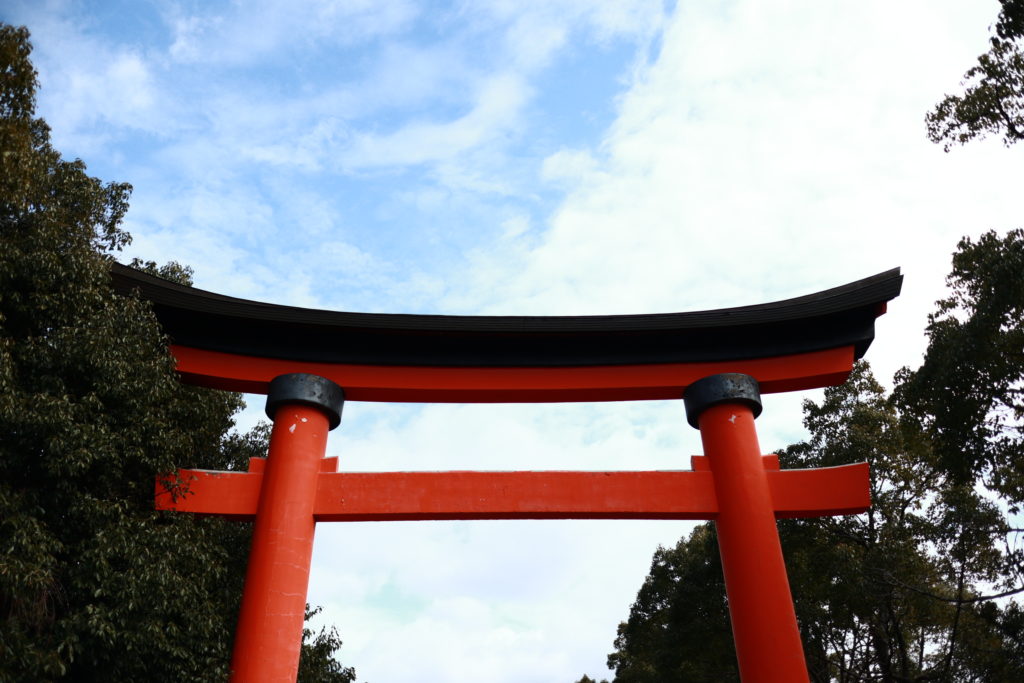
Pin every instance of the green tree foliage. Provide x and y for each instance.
(896, 594)
(94, 584)
(968, 391)
(681, 602)
(317, 664)
(993, 97)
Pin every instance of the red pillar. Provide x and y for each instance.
(268, 638)
(764, 625)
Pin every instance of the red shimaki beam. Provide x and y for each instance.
(415, 384)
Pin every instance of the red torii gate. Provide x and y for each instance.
(309, 362)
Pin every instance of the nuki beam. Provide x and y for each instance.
(416, 496)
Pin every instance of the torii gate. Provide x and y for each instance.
(309, 362)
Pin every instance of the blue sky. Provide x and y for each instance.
(559, 157)
(379, 140)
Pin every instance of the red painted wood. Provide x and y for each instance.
(268, 638)
(820, 492)
(416, 384)
(764, 625)
(382, 496)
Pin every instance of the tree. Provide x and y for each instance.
(969, 392)
(993, 98)
(678, 629)
(94, 584)
(891, 595)
(317, 664)
(896, 593)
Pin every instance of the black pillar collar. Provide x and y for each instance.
(728, 387)
(308, 390)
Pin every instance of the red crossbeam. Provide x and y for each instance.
(664, 381)
(398, 496)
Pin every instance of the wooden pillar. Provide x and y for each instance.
(268, 638)
(764, 625)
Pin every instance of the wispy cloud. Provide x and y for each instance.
(235, 34)
(498, 103)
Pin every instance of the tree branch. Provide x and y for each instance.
(892, 581)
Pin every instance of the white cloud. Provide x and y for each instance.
(606, 20)
(573, 167)
(238, 34)
(535, 33)
(87, 85)
(497, 106)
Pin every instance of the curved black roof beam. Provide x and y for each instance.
(843, 316)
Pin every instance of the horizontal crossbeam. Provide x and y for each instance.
(418, 384)
(408, 496)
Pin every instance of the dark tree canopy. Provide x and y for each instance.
(317, 664)
(678, 629)
(94, 584)
(969, 392)
(992, 102)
